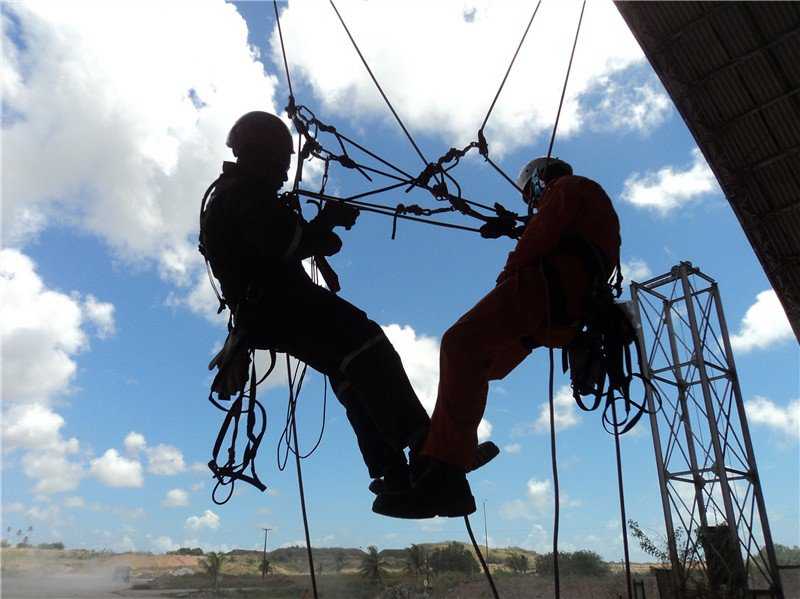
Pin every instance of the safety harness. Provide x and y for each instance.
(236, 382)
(599, 358)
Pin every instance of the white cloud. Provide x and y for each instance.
(163, 544)
(125, 545)
(420, 357)
(13, 507)
(208, 520)
(176, 498)
(52, 471)
(764, 324)
(101, 315)
(132, 163)
(75, 501)
(162, 459)
(35, 426)
(635, 269)
(115, 470)
(512, 448)
(565, 411)
(165, 460)
(134, 443)
(41, 340)
(669, 188)
(452, 101)
(785, 419)
(537, 501)
(625, 106)
(50, 514)
(484, 430)
(39, 347)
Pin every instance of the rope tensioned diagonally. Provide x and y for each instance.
(434, 178)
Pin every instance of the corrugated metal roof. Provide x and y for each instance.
(733, 71)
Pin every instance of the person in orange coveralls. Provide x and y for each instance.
(540, 299)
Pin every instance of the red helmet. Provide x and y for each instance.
(260, 129)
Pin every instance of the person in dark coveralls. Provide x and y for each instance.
(540, 299)
(255, 242)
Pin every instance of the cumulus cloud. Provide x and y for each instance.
(101, 315)
(115, 470)
(163, 544)
(420, 356)
(134, 443)
(175, 498)
(537, 501)
(165, 460)
(208, 520)
(132, 163)
(785, 419)
(635, 269)
(484, 430)
(35, 426)
(669, 188)
(39, 347)
(625, 106)
(764, 324)
(565, 412)
(512, 448)
(437, 91)
(41, 340)
(52, 470)
(162, 459)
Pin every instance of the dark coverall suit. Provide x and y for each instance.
(486, 343)
(256, 245)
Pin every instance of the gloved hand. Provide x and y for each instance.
(338, 214)
(498, 226)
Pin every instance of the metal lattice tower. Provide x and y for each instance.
(714, 511)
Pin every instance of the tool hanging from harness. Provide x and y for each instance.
(236, 381)
(599, 356)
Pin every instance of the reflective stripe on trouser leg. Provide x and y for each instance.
(377, 374)
(378, 455)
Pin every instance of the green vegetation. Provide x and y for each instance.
(518, 563)
(213, 566)
(579, 563)
(787, 556)
(186, 551)
(452, 558)
(373, 567)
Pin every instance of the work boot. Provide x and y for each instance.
(396, 480)
(484, 453)
(442, 490)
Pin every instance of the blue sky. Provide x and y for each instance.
(106, 429)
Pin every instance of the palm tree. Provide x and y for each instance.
(213, 566)
(372, 565)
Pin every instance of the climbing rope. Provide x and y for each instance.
(623, 517)
(292, 401)
(566, 80)
(378, 85)
(556, 489)
(434, 178)
(480, 558)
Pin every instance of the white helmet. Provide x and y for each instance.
(534, 173)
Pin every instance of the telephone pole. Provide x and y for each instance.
(264, 558)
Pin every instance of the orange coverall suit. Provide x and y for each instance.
(486, 343)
